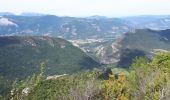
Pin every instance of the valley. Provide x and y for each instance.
(105, 40)
(98, 36)
(39, 50)
(24, 54)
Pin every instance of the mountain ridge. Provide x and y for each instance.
(20, 53)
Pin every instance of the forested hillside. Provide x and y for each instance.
(21, 56)
(146, 80)
(144, 42)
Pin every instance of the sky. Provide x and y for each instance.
(84, 8)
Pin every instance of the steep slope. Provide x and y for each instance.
(144, 42)
(21, 56)
(108, 84)
(145, 39)
(112, 50)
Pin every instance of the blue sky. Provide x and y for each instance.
(82, 8)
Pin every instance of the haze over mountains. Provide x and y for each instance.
(64, 27)
(71, 44)
(84, 49)
(74, 28)
(95, 35)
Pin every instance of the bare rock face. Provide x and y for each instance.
(105, 50)
(26, 91)
(55, 76)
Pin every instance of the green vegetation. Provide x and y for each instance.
(144, 42)
(146, 80)
(151, 80)
(20, 58)
(69, 87)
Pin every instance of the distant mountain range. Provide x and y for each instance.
(29, 39)
(77, 28)
(64, 27)
(102, 38)
(22, 14)
(96, 35)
